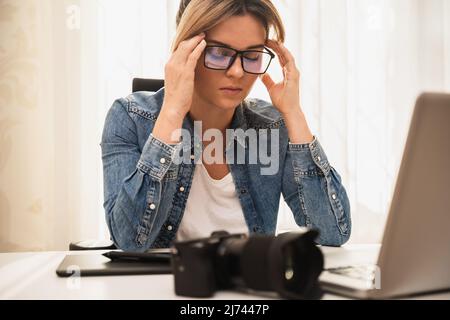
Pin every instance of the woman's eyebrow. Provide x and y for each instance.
(227, 45)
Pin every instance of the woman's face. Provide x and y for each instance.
(240, 33)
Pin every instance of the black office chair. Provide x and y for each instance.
(151, 85)
(92, 244)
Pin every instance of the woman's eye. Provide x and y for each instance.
(218, 56)
(253, 57)
(225, 53)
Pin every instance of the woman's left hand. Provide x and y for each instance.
(285, 95)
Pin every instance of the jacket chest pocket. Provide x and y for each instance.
(172, 173)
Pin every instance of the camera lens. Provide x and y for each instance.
(289, 264)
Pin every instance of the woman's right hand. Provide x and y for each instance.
(178, 89)
(179, 76)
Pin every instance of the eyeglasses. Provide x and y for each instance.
(253, 61)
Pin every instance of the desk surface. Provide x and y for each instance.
(32, 276)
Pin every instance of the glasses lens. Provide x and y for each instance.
(256, 62)
(218, 58)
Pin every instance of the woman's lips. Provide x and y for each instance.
(229, 91)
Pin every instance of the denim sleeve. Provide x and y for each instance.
(314, 192)
(133, 180)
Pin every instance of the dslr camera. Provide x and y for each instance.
(288, 264)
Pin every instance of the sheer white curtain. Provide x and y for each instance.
(363, 64)
(62, 64)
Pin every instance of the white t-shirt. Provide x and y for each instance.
(212, 205)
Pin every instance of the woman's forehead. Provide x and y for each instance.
(239, 32)
(222, 43)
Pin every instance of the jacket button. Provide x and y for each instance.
(182, 189)
(319, 158)
(334, 196)
(162, 160)
(152, 206)
(169, 228)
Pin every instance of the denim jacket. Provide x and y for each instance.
(145, 189)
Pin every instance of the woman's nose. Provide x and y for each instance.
(236, 68)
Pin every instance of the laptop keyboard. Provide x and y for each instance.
(364, 272)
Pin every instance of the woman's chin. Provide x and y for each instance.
(228, 103)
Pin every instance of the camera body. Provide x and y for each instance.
(288, 264)
(195, 264)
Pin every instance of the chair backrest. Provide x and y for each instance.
(151, 85)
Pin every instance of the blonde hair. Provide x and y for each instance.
(196, 16)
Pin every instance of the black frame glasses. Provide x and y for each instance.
(241, 54)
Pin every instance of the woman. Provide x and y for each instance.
(151, 199)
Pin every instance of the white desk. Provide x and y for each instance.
(32, 276)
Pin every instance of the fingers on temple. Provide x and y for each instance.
(186, 47)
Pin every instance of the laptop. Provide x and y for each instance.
(414, 257)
